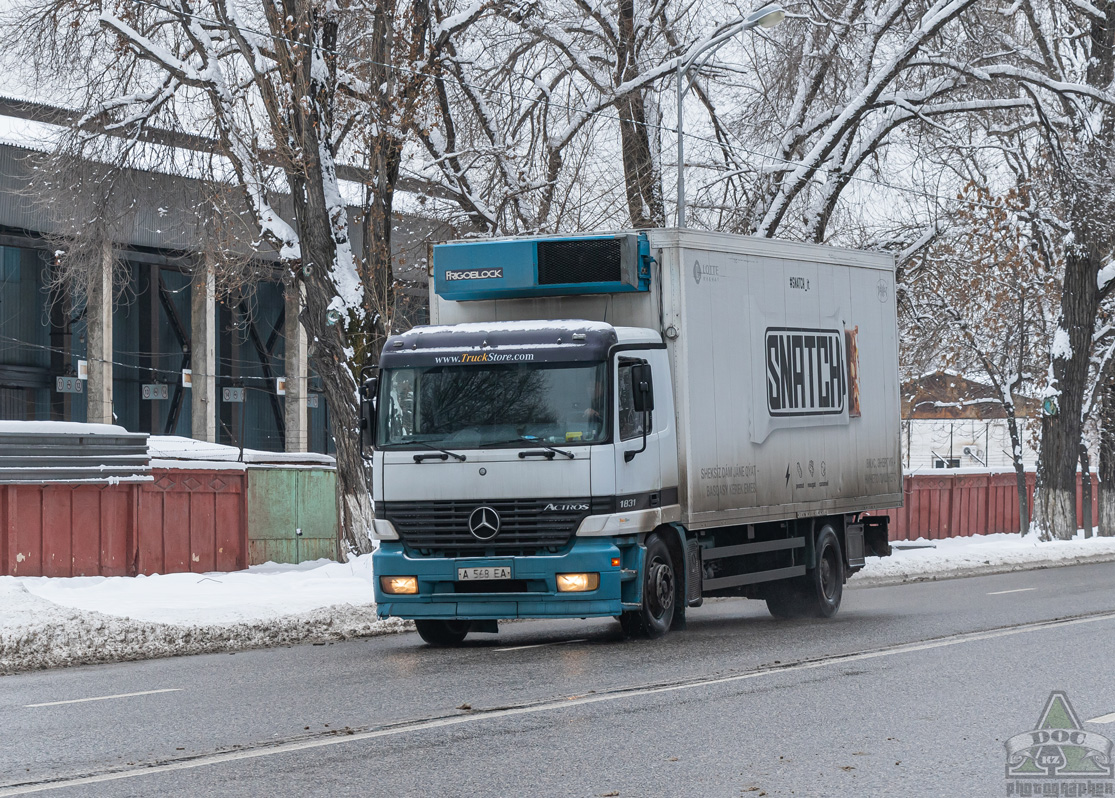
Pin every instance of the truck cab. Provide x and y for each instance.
(517, 467)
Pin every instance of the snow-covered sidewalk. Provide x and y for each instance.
(924, 560)
(47, 623)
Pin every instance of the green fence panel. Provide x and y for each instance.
(292, 514)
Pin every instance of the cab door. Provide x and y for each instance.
(638, 470)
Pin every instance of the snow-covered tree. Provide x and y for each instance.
(1060, 56)
(981, 300)
(284, 91)
(556, 116)
(1107, 452)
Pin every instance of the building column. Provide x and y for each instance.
(203, 355)
(297, 374)
(98, 325)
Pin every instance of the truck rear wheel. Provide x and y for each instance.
(656, 616)
(818, 593)
(826, 581)
(443, 634)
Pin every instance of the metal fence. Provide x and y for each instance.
(958, 504)
(181, 521)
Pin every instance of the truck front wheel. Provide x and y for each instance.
(443, 634)
(656, 615)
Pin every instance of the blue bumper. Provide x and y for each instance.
(536, 579)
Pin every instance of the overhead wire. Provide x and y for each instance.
(7, 340)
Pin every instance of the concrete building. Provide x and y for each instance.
(157, 351)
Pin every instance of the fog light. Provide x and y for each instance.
(399, 585)
(577, 583)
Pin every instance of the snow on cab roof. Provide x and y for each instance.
(534, 325)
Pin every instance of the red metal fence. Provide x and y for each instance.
(196, 520)
(956, 505)
(184, 520)
(192, 521)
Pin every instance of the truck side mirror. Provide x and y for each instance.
(642, 386)
(642, 399)
(368, 410)
(371, 385)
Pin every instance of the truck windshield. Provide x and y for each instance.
(464, 407)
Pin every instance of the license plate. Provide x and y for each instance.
(491, 572)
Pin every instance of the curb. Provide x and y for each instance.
(866, 580)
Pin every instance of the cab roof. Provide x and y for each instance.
(509, 342)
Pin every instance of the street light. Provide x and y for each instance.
(766, 17)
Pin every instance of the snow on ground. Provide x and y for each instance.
(257, 594)
(54, 622)
(922, 560)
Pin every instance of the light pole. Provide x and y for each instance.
(766, 17)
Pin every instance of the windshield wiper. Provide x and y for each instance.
(531, 440)
(445, 455)
(536, 442)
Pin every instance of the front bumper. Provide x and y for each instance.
(535, 578)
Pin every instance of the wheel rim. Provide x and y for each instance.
(828, 574)
(660, 588)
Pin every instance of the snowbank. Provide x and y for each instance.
(260, 593)
(46, 623)
(926, 560)
(53, 622)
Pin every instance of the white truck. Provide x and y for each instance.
(622, 424)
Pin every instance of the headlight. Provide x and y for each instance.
(399, 585)
(577, 583)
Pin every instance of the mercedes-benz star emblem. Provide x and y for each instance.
(483, 523)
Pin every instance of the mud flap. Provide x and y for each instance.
(876, 535)
(853, 545)
(491, 627)
(694, 573)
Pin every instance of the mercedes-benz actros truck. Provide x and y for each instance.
(620, 425)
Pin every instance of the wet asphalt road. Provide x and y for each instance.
(910, 691)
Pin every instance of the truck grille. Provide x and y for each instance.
(526, 525)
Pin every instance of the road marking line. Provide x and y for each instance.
(1004, 592)
(456, 720)
(104, 697)
(1108, 718)
(541, 645)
